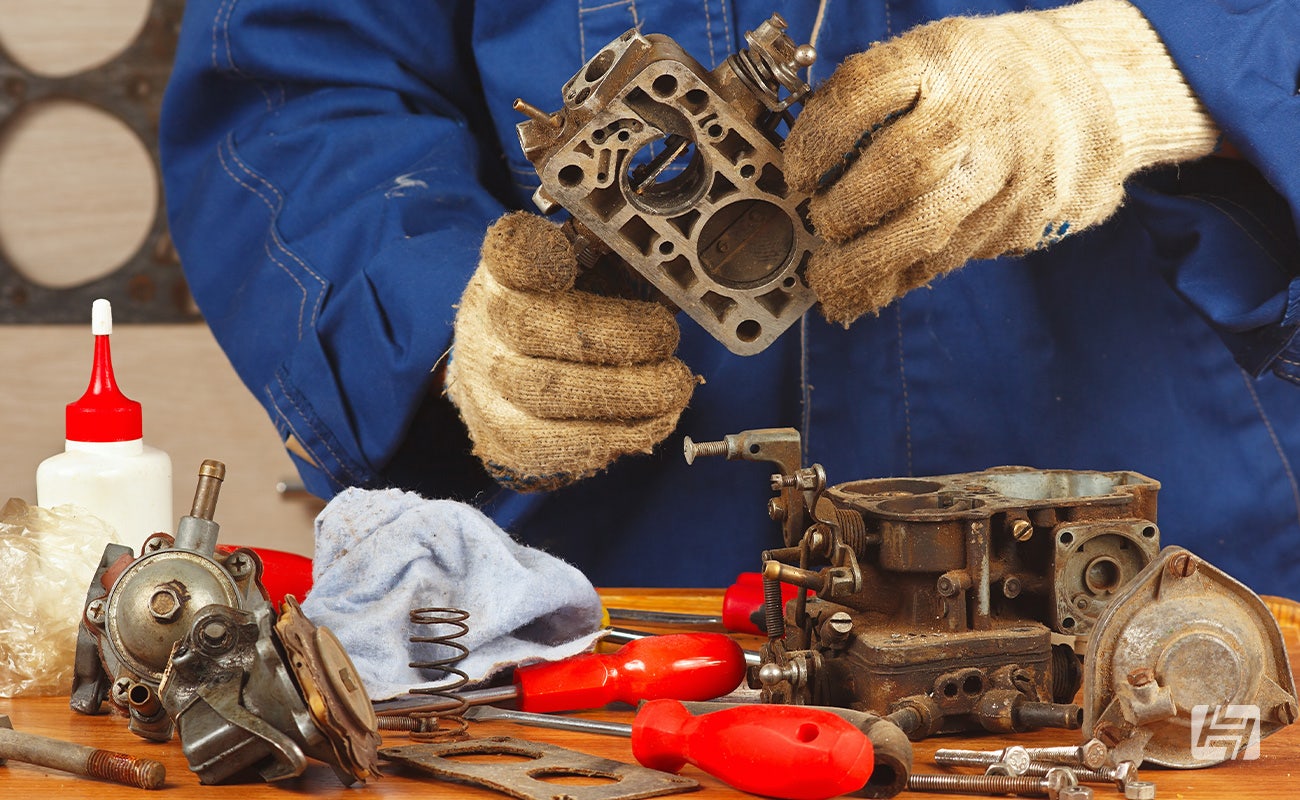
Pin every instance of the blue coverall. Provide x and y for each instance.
(331, 167)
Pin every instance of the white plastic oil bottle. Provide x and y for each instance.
(106, 468)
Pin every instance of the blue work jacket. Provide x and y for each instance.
(331, 167)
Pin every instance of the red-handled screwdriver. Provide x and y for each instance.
(789, 752)
(742, 608)
(681, 666)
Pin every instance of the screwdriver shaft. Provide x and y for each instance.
(482, 713)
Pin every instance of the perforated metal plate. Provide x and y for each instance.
(527, 779)
(149, 286)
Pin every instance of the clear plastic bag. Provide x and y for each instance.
(47, 558)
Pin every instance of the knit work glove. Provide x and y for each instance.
(973, 137)
(552, 382)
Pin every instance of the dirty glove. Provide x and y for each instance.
(974, 137)
(554, 383)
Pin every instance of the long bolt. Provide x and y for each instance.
(1091, 754)
(1049, 786)
(79, 759)
(1121, 774)
(1015, 758)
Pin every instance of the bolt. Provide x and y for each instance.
(1139, 790)
(165, 606)
(154, 543)
(215, 635)
(1108, 733)
(79, 759)
(1011, 587)
(1091, 754)
(1121, 774)
(693, 450)
(239, 565)
(1075, 793)
(1022, 530)
(1141, 676)
(1182, 565)
(1051, 785)
(95, 611)
(1015, 758)
(120, 692)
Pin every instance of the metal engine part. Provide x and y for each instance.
(184, 639)
(944, 603)
(678, 171)
(137, 609)
(1187, 667)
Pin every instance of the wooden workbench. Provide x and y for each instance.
(1275, 776)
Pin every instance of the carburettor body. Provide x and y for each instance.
(945, 603)
(678, 171)
(185, 639)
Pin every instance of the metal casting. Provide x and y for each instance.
(1185, 647)
(678, 171)
(183, 639)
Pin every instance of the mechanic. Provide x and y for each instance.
(1124, 177)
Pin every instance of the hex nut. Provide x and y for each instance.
(1140, 790)
(1075, 793)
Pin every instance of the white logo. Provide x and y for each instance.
(1222, 733)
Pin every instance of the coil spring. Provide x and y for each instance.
(427, 726)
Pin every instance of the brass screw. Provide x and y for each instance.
(41, 751)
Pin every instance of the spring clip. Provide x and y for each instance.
(427, 726)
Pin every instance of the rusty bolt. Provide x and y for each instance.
(1182, 565)
(79, 759)
(776, 509)
(166, 605)
(1011, 587)
(1141, 676)
(1108, 733)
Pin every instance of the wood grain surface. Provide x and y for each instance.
(1275, 776)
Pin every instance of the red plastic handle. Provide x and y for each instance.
(742, 603)
(682, 666)
(789, 752)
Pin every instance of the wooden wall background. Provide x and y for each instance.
(77, 194)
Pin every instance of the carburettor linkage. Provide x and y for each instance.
(945, 603)
(184, 639)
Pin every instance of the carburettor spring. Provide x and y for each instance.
(427, 725)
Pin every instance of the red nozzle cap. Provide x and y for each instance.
(103, 414)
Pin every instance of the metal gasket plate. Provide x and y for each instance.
(149, 287)
(526, 780)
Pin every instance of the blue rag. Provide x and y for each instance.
(382, 553)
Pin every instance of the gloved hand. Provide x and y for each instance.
(973, 137)
(554, 383)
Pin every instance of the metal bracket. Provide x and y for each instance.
(527, 780)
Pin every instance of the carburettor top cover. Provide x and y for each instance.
(678, 171)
